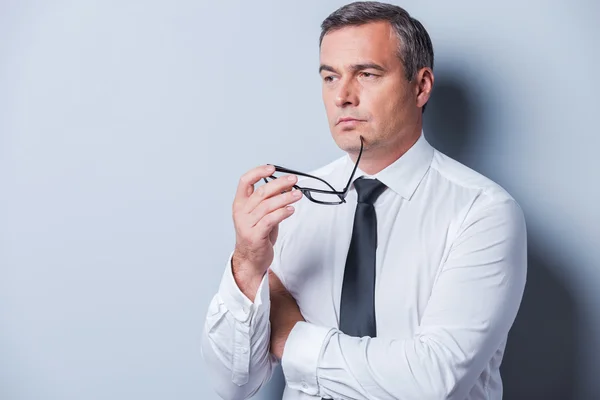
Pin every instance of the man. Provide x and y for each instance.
(403, 286)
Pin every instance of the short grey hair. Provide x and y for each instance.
(416, 50)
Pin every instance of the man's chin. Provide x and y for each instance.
(348, 141)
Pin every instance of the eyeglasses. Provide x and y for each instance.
(323, 192)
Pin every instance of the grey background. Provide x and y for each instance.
(124, 127)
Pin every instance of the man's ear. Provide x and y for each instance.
(424, 86)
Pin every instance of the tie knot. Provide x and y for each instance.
(368, 190)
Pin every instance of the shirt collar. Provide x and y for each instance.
(403, 175)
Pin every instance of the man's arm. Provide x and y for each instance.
(473, 305)
(236, 336)
(235, 340)
(284, 315)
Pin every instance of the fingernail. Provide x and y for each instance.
(291, 178)
(297, 193)
(270, 168)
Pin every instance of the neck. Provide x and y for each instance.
(379, 156)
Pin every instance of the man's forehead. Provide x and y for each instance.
(376, 40)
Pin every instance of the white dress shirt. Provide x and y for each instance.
(450, 274)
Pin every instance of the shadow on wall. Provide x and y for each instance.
(541, 358)
(453, 119)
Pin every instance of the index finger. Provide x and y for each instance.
(249, 179)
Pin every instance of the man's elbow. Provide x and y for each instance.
(220, 378)
(230, 391)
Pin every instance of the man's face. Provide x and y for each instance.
(363, 78)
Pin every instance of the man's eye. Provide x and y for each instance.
(328, 78)
(368, 74)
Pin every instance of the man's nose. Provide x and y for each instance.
(346, 95)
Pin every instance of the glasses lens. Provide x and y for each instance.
(318, 191)
(313, 188)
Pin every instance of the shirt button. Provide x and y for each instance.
(246, 309)
(245, 350)
(304, 385)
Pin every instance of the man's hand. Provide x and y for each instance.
(256, 217)
(284, 314)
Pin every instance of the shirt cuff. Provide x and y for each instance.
(301, 354)
(236, 301)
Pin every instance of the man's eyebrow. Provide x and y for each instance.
(325, 67)
(354, 68)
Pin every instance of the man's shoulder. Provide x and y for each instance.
(480, 196)
(466, 178)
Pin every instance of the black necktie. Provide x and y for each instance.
(357, 306)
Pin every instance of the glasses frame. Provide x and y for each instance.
(306, 191)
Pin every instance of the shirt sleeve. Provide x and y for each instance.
(473, 304)
(236, 339)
